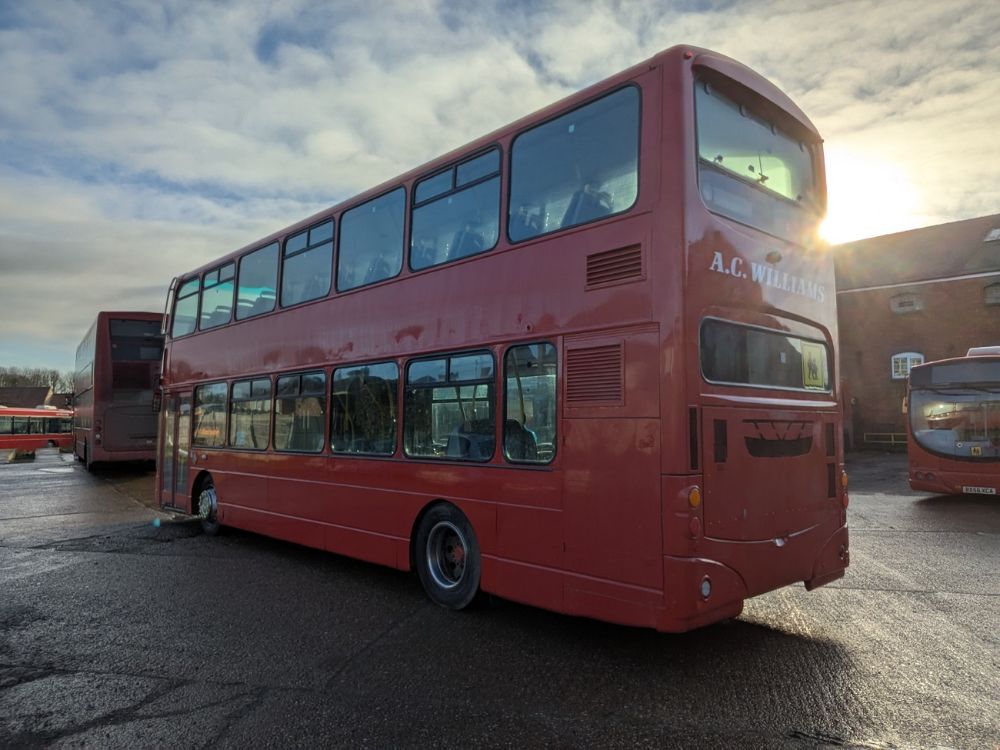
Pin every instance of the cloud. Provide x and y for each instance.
(141, 139)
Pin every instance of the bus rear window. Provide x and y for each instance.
(751, 171)
(743, 355)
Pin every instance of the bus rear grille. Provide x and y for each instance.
(594, 375)
(614, 266)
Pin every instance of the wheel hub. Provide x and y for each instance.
(206, 504)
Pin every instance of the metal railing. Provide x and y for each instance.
(886, 438)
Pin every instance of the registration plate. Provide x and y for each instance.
(979, 490)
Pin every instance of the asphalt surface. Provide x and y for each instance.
(115, 632)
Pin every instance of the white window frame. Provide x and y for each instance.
(900, 364)
(991, 294)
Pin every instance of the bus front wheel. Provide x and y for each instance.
(208, 508)
(447, 557)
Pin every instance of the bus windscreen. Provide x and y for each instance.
(957, 421)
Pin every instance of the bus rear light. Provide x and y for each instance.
(694, 526)
(847, 500)
(694, 497)
(843, 480)
(706, 587)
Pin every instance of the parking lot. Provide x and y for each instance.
(118, 631)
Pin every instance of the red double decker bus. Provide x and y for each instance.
(30, 429)
(586, 362)
(953, 438)
(117, 370)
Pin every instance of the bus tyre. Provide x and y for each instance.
(208, 508)
(447, 557)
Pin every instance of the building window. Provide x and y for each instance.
(902, 362)
(991, 294)
(906, 303)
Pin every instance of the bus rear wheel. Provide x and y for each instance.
(447, 557)
(208, 508)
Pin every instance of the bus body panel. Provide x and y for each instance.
(26, 429)
(960, 413)
(609, 528)
(117, 370)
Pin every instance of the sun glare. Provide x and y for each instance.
(867, 197)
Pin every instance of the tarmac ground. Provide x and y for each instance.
(122, 626)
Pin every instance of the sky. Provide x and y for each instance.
(139, 140)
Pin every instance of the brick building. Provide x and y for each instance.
(906, 298)
(26, 397)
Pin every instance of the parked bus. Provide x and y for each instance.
(954, 424)
(586, 362)
(117, 369)
(30, 429)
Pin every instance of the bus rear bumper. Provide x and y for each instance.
(762, 567)
(686, 581)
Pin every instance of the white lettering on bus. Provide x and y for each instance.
(768, 276)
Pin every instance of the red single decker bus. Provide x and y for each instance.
(954, 424)
(31, 429)
(586, 362)
(117, 369)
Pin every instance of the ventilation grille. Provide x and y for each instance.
(594, 375)
(614, 266)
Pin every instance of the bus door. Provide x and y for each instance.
(175, 449)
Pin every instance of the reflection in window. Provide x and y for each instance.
(457, 213)
(217, 296)
(743, 355)
(307, 265)
(363, 409)
(529, 429)
(453, 418)
(961, 421)
(577, 168)
(258, 282)
(371, 241)
(186, 309)
(300, 412)
(210, 415)
(250, 413)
